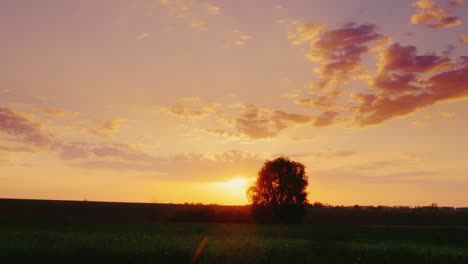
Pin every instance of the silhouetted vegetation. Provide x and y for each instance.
(37, 212)
(279, 193)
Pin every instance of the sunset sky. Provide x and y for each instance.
(183, 101)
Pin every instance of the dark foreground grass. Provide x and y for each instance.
(229, 243)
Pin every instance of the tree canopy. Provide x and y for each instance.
(281, 187)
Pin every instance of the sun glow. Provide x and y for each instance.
(238, 182)
(231, 191)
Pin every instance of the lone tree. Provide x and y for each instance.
(279, 194)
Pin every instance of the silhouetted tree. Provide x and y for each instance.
(279, 194)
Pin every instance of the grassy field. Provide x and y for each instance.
(228, 243)
(38, 231)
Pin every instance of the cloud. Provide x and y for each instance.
(464, 38)
(108, 128)
(448, 115)
(142, 36)
(326, 119)
(124, 157)
(83, 150)
(242, 38)
(339, 54)
(55, 112)
(378, 165)
(184, 112)
(404, 82)
(407, 176)
(432, 14)
(223, 133)
(328, 154)
(294, 93)
(400, 65)
(193, 166)
(324, 101)
(16, 148)
(190, 99)
(192, 12)
(455, 3)
(302, 139)
(407, 82)
(239, 121)
(258, 123)
(24, 130)
(212, 9)
(305, 33)
(405, 58)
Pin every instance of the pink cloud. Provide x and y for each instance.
(22, 129)
(339, 52)
(405, 80)
(408, 82)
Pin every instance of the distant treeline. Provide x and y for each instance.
(61, 212)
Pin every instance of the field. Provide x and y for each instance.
(55, 239)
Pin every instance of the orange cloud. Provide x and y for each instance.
(433, 15)
(55, 112)
(305, 33)
(193, 12)
(108, 127)
(185, 112)
(464, 38)
(326, 119)
(223, 133)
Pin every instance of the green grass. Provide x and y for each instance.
(228, 243)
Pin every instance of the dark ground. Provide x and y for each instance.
(90, 232)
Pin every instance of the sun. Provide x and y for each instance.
(232, 190)
(238, 182)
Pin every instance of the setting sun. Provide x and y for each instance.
(237, 183)
(231, 191)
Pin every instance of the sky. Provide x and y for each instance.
(174, 101)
